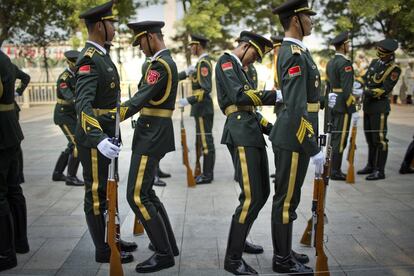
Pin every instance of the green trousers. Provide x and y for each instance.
(375, 129)
(140, 193)
(95, 175)
(252, 172)
(341, 123)
(291, 170)
(204, 128)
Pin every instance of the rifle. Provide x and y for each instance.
(138, 227)
(112, 219)
(321, 183)
(350, 176)
(186, 161)
(197, 169)
(133, 122)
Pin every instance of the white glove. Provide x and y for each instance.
(318, 161)
(108, 149)
(183, 102)
(189, 70)
(355, 118)
(279, 97)
(332, 99)
(357, 89)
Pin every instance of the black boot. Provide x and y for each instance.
(302, 258)
(162, 174)
(60, 166)
(369, 168)
(73, 165)
(8, 258)
(163, 257)
(380, 165)
(409, 100)
(158, 182)
(233, 261)
(96, 226)
(20, 178)
(19, 215)
(208, 169)
(252, 248)
(127, 246)
(408, 158)
(336, 173)
(283, 261)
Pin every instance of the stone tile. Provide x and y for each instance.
(52, 254)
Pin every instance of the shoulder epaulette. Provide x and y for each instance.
(296, 50)
(90, 52)
(64, 76)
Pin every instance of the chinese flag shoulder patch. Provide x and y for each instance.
(294, 71)
(348, 68)
(152, 77)
(63, 85)
(227, 66)
(394, 76)
(84, 69)
(204, 71)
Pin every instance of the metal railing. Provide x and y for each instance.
(45, 93)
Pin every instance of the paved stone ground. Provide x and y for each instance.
(370, 230)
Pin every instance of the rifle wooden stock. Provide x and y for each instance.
(321, 267)
(197, 169)
(307, 234)
(112, 238)
(138, 227)
(186, 162)
(350, 176)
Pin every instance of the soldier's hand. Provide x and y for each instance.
(190, 69)
(355, 118)
(318, 161)
(332, 99)
(183, 102)
(279, 97)
(108, 149)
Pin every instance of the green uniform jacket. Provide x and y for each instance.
(296, 129)
(201, 80)
(340, 74)
(157, 91)
(10, 131)
(65, 91)
(252, 74)
(379, 80)
(97, 87)
(234, 88)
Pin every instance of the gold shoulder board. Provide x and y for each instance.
(90, 52)
(296, 50)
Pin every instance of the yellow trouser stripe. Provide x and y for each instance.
(292, 180)
(246, 184)
(95, 182)
(381, 132)
(343, 134)
(71, 136)
(138, 185)
(203, 135)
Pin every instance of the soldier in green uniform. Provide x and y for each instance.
(294, 136)
(97, 88)
(13, 214)
(65, 117)
(243, 135)
(202, 108)
(379, 80)
(153, 138)
(340, 78)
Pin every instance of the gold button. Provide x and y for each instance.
(62, 108)
(309, 135)
(260, 93)
(113, 117)
(147, 125)
(112, 85)
(88, 128)
(238, 117)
